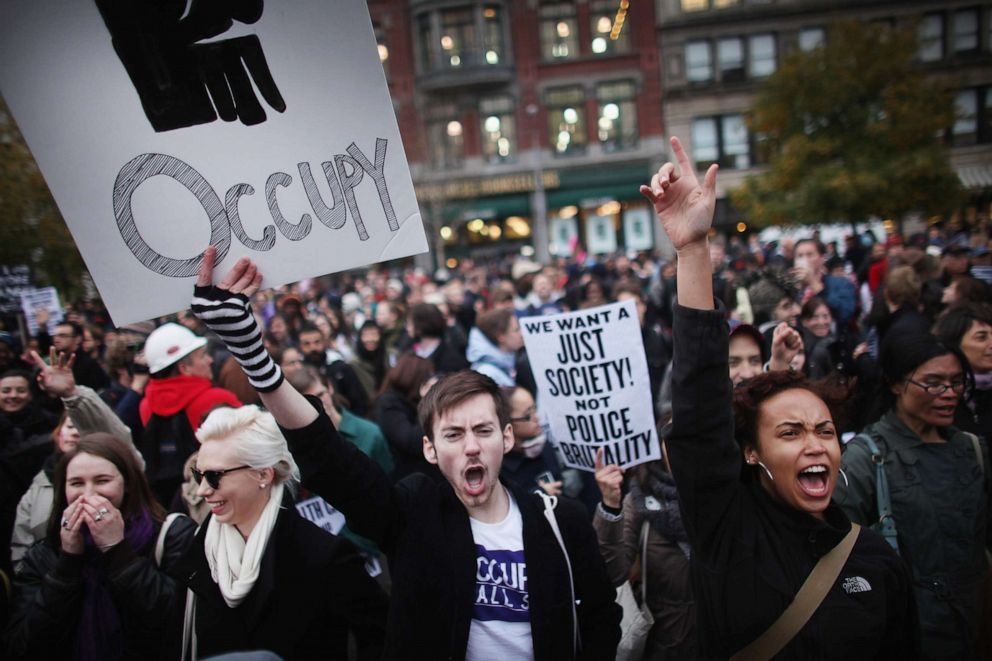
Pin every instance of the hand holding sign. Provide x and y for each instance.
(685, 208)
(609, 478)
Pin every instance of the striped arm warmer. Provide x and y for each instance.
(229, 316)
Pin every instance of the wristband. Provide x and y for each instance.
(229, 316)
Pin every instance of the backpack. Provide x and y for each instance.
(166, 443)
(886, 524)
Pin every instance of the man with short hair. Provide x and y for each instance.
(68, 339)
(839, 293)
(479, 571)
(316, 352)
(178, 397)
(493, 345)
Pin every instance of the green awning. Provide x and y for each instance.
(487, 208)
(620, 192)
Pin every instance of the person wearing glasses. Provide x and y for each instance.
(532, 463)
(257, 572)
(97, 586)
(938, 478)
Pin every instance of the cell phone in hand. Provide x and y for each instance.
(546, 476)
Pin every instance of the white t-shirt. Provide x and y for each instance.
(501, 614)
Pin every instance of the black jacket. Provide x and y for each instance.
(311, 589)
(750, 555)
(426, 533)
(49, 594)
(397, 418)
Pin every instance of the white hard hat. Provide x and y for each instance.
(168, 344)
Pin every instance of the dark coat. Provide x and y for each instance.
(49, 598)
(750, 554)
(941, 506)
(397, 418)
(311, 589)
(426, 533)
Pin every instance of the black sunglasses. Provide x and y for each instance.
(213, 477)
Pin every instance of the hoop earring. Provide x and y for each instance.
(844, 475)
(767, 472)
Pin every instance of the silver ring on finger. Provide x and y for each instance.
(103, 510)
(98, 517)
(65, 523)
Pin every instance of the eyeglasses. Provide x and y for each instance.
(213, 477)
(527, 416)
(935, 389)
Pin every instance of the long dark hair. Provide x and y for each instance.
(410, 372)
(137, 494)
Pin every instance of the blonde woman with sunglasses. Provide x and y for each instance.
(258, 573)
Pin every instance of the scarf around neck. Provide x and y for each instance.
(234, 561)
(99, 634)
(662, 512)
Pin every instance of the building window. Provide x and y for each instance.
(446, 140)
(698, 62)
(566, 120)
(930, 34)
(761, 62)
(493, 26)
(720, 4)
(694, 5)
(964, 28)
(810, 39)
(559, 31)
(601, 17)
(730, 58)
(380, 40)
(965, 128)
(617, 122)
(499, 129)
(458, 40)
(722, 139)
(428, 49)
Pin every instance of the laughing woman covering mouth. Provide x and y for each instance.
(938, 478)
(757, 534)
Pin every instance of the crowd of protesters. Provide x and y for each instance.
(859, 391)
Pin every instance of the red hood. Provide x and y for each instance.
(172, 395)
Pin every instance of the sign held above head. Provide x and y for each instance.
(263, 130)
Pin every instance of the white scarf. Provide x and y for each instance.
(234, 562)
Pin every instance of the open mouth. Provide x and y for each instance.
(216, 506)
(475, 480)
(814, 480)
(945, 411)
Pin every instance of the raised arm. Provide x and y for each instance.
(686, 212)
(225, 309)
(331, 467)
(701, 448)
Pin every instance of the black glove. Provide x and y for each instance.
(229, 316)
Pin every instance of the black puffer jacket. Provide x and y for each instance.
(750, 554)
(49, 594)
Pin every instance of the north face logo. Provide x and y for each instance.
(855, 584)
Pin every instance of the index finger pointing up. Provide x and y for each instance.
(205, 276)
(685, 165)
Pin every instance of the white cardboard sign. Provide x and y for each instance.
(593, 384)
(46, 298)
(265, 129)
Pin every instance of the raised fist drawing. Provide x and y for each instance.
(180, 81)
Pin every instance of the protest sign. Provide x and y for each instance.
(46, 298)
(265, 129)
(318, 511)
(593, 384)
(14, 281)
